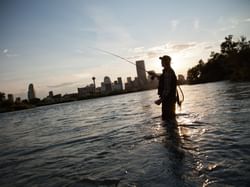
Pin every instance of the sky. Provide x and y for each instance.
(51, 43)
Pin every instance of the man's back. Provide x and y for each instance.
(167, 85)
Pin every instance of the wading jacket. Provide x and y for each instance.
(167, 86)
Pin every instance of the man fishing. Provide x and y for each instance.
(167, 88)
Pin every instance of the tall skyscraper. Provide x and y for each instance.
(10, 98)
(107, 84)
(51, 94)
(141, 73)
(120, 82)
(31, 92)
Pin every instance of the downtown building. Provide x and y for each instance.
(107, 87)
(141, 82)
(141, 75)
(31, 92)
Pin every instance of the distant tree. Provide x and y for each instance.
(233, 63)
(243, 44)
(228, 46)
(193, 75)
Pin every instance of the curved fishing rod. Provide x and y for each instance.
(118, 56)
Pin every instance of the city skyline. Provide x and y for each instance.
(50, 43)
(140, 82)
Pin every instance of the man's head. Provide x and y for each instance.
(165, 61)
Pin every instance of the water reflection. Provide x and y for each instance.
(173, 143)
(172, 139)
(121, 141)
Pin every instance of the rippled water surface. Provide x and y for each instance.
(121, 141)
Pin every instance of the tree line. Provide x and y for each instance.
(232, 63)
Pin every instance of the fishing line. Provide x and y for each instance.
(118, 56)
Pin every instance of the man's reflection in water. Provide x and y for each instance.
(173, 140)
(173, 143)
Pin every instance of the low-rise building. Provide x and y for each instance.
(86, 91)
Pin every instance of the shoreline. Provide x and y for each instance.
(24, 106)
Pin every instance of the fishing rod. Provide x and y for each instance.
(118, 56)
(149, 72)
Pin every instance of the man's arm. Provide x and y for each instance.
(153, 74)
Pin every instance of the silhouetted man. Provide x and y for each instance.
(166, 88)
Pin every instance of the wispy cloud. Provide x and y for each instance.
(182, 46)
(147, 53)
(12, 55)
(89, 29)
(7, 53)
(196, 24)
(175, 48)
(156, 51)
(79, 51)
(174, 24)
(227, 24)
(246, 20)
(82, 75)
(109, 31)
(138, 49)
(208, 47)
(62, 85)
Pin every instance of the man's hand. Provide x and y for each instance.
(158, 101)
(152, 73)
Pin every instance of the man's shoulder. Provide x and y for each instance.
(172, 71)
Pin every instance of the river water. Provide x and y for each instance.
(121, 141)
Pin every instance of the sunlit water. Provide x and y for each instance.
(120, 141)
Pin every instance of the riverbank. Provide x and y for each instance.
(7, 106)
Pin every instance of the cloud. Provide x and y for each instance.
(182, 46)
(230, 24)
(108, 29)
(156, 51)
(152, 54)
(69, 80)
(208, 47)
(196, 24)
(147, 53)
(138, 49)
(79, 51)
(12, 55)
(90, 29)
(174, 24)
(246, 20)
(62, 85)
(7, 53)
(185, 49)
(82, 75)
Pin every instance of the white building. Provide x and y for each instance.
(106, 85)
(31, 92)
(117, 85)
(86, 91)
